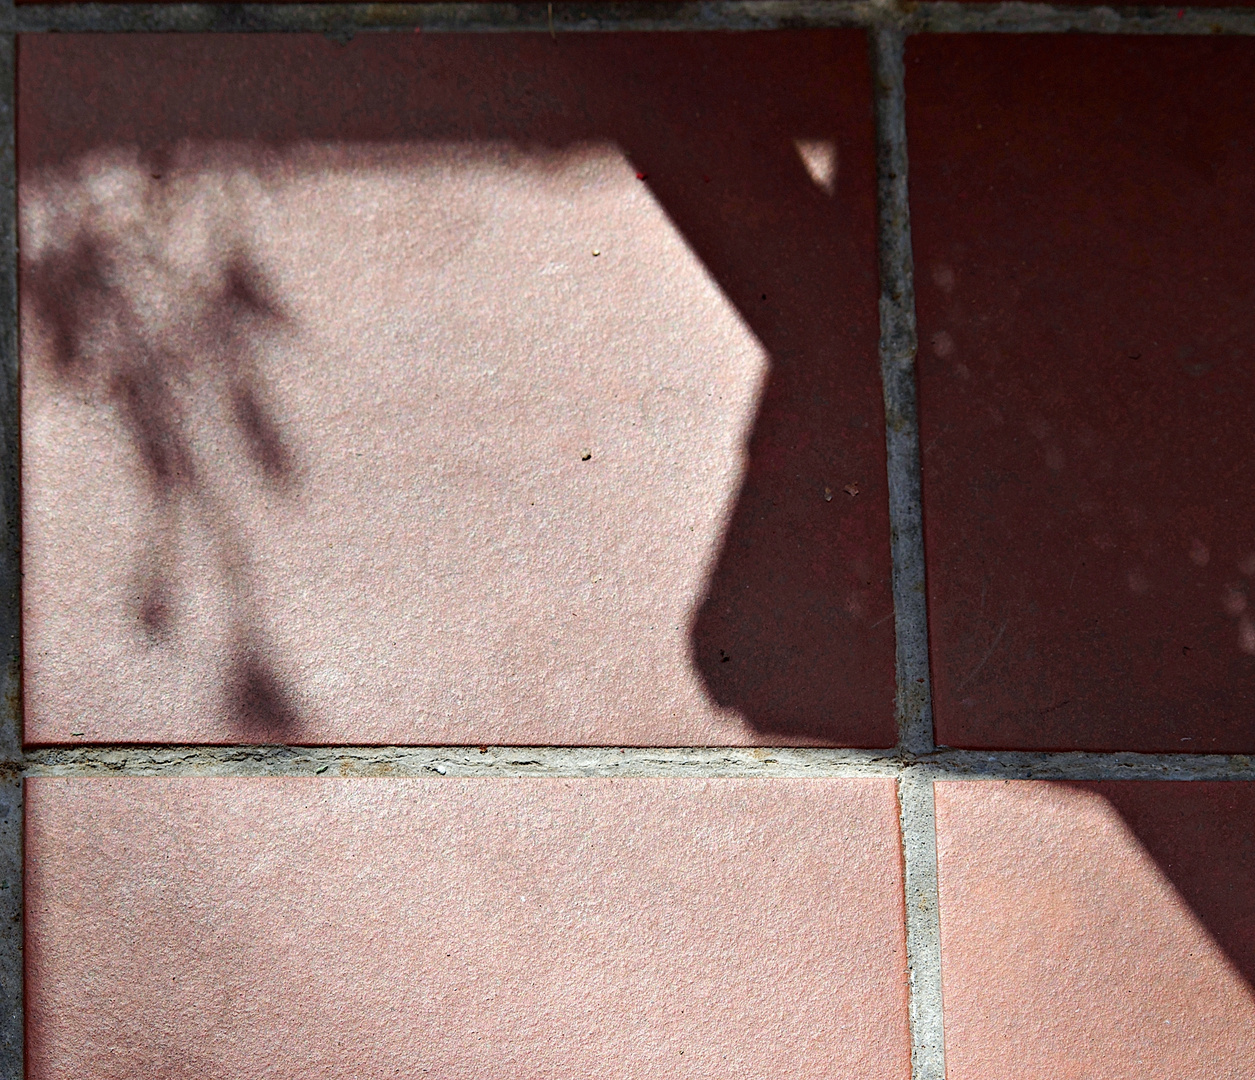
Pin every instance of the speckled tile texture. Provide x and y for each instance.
(464, 928)
(457, 627)
(1097, 930)
(1083, 211)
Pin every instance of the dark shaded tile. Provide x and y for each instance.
(1083, 213)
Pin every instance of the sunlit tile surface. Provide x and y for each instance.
(1097, 930)
(465, 928)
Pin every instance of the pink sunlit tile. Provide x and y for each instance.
(1104, 931)
(464, 928)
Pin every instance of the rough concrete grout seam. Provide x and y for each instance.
(610, 761)
(343, 21)
(913, 699)
(921, 906)
(912, 705)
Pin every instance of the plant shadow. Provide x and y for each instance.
(138, 323)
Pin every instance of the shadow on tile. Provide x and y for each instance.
(1097, 929)
(758, 149)
(134, 322)
(1200, 836)
(1082, 220)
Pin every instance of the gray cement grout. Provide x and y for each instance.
(343, 21)
(913, 701)
(12, 1050)
(454, 761)
(558, 762)
(921, 905)
(950, 17)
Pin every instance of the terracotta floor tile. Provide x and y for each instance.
(1104, 931)
(1083, 214)
(452, 389)
(464, 928)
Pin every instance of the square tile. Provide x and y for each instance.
(464, 928)
(1083, 212)
(452, 390)
(1097, 930)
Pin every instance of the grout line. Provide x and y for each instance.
(10, 452)
(913, 706)
(950, 17)
(1084, 765)
(12, 1037)
(915, 765)
(541, 761)
(923, 925)
(565, 761)
(343, 20)
(456, 761)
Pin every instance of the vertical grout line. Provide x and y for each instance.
(918, 821)
(897, 372)
(12, 1049)
(913, 707)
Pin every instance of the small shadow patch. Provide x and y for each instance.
(257, 700)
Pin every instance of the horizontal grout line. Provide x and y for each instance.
(551, 761)
(452, 761)
(949, 17)
(343, 21)
(1084, 765)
